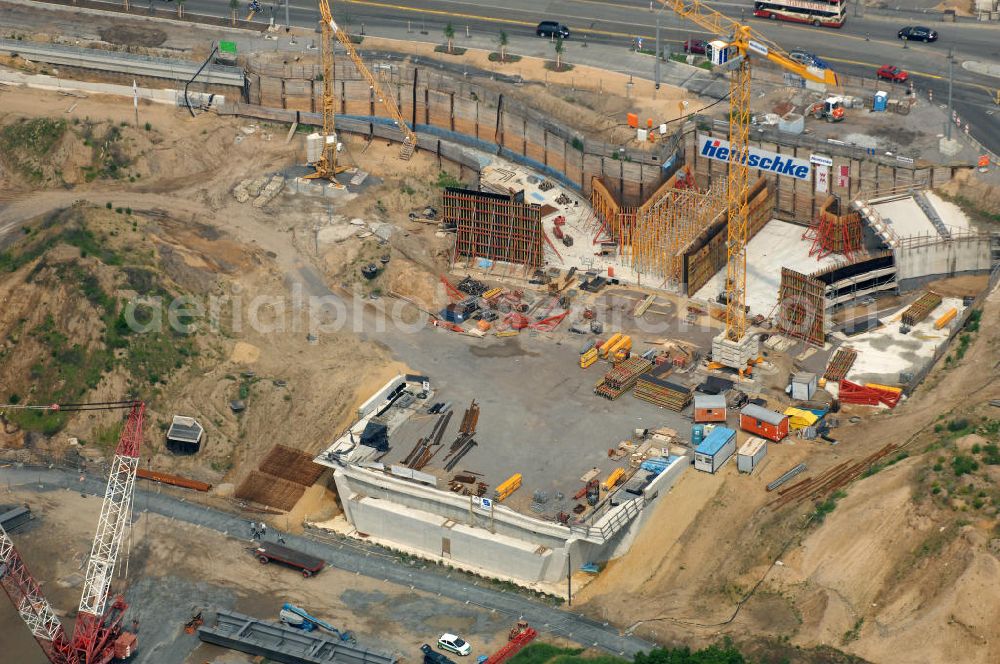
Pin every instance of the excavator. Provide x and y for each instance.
(325, 164)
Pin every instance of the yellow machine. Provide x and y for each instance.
(588, 358)
(614, 478)
(739, 42)
(326, 166)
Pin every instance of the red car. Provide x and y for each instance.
(694, 46)
(892, 73)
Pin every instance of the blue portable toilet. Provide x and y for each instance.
(881, 101)
(697, 434)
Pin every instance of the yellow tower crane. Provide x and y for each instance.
(737, 43)
(326, 166)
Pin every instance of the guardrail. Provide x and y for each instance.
(128, 63)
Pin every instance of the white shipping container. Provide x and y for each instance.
(751, 453)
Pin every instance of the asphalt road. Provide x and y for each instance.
(351, 556)
(864, 43)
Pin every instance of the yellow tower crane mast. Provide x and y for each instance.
(326, 166)
(739, 41)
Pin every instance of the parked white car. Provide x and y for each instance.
(454, 644)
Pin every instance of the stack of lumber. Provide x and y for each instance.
(654, 388)
(620, 380)
(840, 364)
(920, 309)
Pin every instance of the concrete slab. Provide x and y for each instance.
(779, 244)
(885, 352)
(951, 215)
(905, 217)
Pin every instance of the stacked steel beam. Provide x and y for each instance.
(869, 395)
(654, 388)
(622, 377)
(920, 309)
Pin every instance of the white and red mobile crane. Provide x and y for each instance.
(98, 636)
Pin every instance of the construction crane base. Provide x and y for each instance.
(735, 354)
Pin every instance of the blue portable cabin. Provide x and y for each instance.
(715, 450)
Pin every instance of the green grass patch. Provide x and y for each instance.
(443, 48)
(25, 144)
(563, 67)
(826, 507)
(963, 465)
(495, 57)
(853, 633)
(70, 367)
(545, 653)
(446, 180)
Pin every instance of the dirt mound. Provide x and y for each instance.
(978, 196)
(130, 34)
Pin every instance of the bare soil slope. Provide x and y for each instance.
(904, 569)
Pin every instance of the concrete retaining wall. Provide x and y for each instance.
(450, 529)
(935, 258)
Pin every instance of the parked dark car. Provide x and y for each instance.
(552, 29)
(432, 656)
(917, 33)
(695, 46)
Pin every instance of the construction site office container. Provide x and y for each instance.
(763, 422)
(715, 450)
(803, 385)
(751, 453)
(709, 408)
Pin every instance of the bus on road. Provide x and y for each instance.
(821, 13)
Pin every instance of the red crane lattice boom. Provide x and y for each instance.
(97, 636)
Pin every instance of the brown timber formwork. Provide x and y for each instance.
(494, 227)
(801, 305)
(705, 253)
(270, 490)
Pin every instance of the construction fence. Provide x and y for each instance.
(465, 112)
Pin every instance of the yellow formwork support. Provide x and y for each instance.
(946, 318)
(507, 487)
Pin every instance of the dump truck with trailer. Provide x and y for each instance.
(267, 552)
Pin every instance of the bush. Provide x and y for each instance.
(108, 205)
(960, 424)
(148, 126)
(964, 465)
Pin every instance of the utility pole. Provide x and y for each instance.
(569, 579)
(951, 63)
(288, 26)
(656, 70)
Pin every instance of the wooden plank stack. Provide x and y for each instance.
(920, 309)
(654, 388)
(620, 380)
(840, 364)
